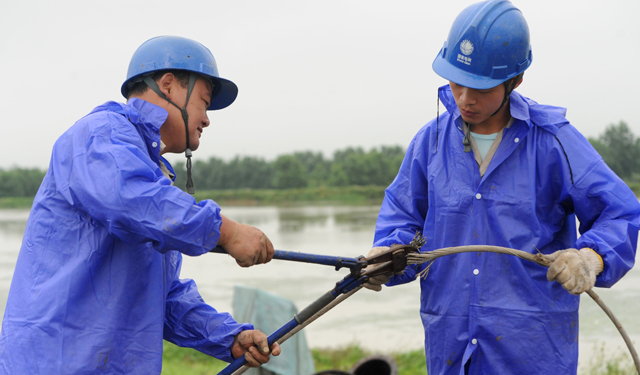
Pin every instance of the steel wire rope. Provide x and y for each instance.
(539, 258)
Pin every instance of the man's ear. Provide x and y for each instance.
(165, 83)
(520, 79)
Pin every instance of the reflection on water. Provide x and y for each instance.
(296, 220)
(13, 228)
(299, 219)
(358, 220)
(12, 224)
(385, 321)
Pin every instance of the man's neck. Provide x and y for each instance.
(494, 123)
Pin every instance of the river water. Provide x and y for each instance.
(387, 321)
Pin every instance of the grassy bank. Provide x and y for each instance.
(181, 361)
(347, 195)
(409, 363)
(635, 187)
(15, 202)
(602, 362)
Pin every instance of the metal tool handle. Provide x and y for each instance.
(327, 260)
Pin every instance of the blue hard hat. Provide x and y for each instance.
(487, 45)
(177, 53)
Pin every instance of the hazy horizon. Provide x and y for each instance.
(317, 76)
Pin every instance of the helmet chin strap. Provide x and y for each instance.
(509, 86)
(185, 117)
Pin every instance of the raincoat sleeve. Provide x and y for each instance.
(190, 322)
(608, 211)
(105, 172)
(405, 203)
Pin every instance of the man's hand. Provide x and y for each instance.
(376, 282)
(246, 244)
(255, 347)
(575, 270)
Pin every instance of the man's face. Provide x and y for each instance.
(477, 106)
(173, 131)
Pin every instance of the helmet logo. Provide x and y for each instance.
(466, 47)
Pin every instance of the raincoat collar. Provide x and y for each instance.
(147, 118)
(548, 117)
(137, 111)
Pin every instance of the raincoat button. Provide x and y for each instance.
(154, 144)
(474, 341)
(478, 196)
(476, 272)
(516, 140)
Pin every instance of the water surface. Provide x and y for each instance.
(385, 321)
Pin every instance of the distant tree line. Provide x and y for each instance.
(20, 182)
(619, 147)
(349, 167)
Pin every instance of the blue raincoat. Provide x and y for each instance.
(499, 311)
(96, 286)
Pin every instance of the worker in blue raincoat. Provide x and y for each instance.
(96, 287)
(500, 169)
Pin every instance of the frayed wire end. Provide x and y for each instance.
(418, 241)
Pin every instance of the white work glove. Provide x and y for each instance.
(575, 270)
(376, 282)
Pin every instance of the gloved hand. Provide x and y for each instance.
(376, 282)
(575, 270)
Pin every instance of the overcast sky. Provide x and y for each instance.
(312, 75)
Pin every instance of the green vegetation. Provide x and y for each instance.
(347, 195)
(349, 167)
(409, 363)
(15, 202)
(635, 187)
(20, 182)
(620, 149)
(603, 363)
(352, 176)
(183, 361)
